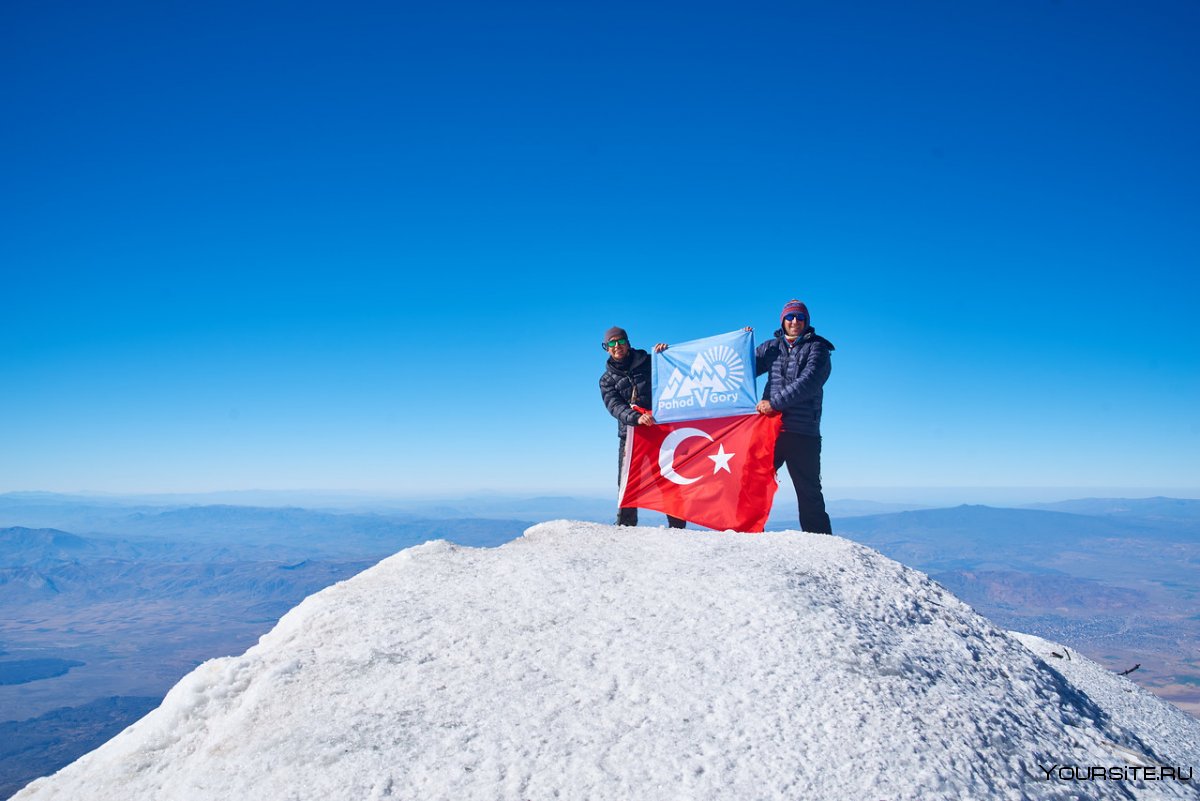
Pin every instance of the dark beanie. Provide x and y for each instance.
(794, 306)
(616, 332)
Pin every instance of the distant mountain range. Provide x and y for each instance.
(1175, 510)
(85, 513)
(232, 533)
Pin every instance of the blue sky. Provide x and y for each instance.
(374, 246)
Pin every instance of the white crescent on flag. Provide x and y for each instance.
(666, 454)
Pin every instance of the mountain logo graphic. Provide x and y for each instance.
(715, 375)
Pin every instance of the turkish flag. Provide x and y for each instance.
(718, 473)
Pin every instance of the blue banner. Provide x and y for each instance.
(710, 377)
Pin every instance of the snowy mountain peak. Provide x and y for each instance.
(588, 661)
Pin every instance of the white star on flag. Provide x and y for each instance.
(721, 460)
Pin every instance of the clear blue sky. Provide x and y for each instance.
(374, 246)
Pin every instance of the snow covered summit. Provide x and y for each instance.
(592, 662)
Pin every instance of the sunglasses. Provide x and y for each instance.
(612, 343)
(789, 318)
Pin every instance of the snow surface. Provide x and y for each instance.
(584, 661)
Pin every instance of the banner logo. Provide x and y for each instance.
(715, 375)
(710, 377)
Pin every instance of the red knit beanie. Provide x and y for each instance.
(794, 306)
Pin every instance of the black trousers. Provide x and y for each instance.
(627, 515)
(802, 455)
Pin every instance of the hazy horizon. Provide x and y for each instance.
(930, 496)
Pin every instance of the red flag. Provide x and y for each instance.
(718, 472)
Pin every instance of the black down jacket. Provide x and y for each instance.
(625, 384)
(797, 378)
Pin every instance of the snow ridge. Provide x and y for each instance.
(589, 661)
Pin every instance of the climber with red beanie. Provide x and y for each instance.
(797, 361)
